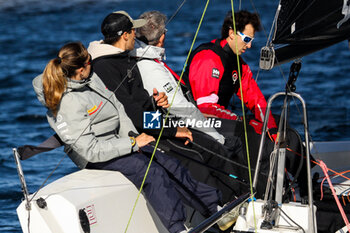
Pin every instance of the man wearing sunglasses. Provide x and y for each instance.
(212, 75)
(213, 72)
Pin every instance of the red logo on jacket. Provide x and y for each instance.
(234, 76)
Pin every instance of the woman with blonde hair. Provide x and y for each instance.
(95, 129)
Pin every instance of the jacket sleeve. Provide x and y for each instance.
(205, 74)
(134, 107)
(156, 75)
(253, 98)
(74, 129)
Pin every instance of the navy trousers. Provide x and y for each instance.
(168, 185)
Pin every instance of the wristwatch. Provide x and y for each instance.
(132, 141)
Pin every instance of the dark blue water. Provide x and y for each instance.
(32, 31)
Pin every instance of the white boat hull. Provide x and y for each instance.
(106, 197)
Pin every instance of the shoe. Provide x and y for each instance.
(187, 229)
(229, 219)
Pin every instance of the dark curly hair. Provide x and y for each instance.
(242, 18)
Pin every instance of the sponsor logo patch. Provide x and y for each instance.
(91, 214)
(168, 88)
(234, 76)
(215, 73)
(94, 109)
(59, 118)
(151, 120)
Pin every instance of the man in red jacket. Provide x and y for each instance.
(213, 74)
(214, 69)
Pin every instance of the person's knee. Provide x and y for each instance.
(157, 175)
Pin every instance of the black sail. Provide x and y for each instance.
(306, 26)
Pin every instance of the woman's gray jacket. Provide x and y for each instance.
(90, 121)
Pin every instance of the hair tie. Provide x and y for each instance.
(59, 60)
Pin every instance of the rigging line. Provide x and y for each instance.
(265, 34)
(217, 155)
(238, 179)
(59, 163)
(30, 200)
(304, 10)
(313, 161)
(175, 13)
(285, 214)
(166, 117)
(274, 24)
(189, 53)
(301, 13)
(226, 159)
(243, 112)
(340, 184)
(273, 163)
(185, 149)
(256, 11)
(344, 203)
(336, 175)
(290, 188)
(257, 75)
(301, 162)
(292, 12)
(318, 21)
(28, 220)
(341, 210)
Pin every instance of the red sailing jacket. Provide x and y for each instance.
(212, 75)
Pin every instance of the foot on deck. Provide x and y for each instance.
(229, 219)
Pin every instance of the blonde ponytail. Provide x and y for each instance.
(71, 57)
(54, 83)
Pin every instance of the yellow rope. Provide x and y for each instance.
(243, 113)
(166, 117)
(194, 39)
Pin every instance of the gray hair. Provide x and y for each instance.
(154, 28)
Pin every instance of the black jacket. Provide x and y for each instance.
(120, 74)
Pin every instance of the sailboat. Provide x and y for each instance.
(100, 201)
